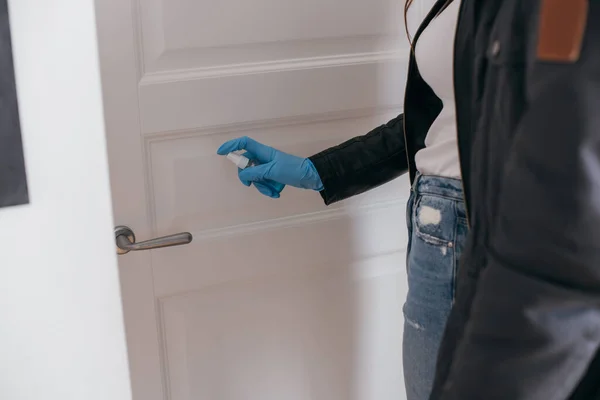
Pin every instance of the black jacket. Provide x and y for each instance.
(526, 321)
(388, 151)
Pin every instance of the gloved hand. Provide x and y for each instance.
(276, 168)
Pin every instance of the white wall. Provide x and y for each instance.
(61, 330)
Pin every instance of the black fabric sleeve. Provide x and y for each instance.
(362, 163)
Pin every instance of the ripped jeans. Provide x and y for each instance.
(437, 229)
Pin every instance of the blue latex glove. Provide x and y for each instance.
(276, 170)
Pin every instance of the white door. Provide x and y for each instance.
(61, 322)
(281, 299)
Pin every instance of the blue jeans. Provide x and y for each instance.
(437, 229)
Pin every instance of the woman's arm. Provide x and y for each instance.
(339, 172)
(362, 163)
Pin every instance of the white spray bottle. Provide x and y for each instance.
(241, 161)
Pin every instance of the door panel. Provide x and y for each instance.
(243, 95)
(192, 25)
(322, 334)
(188, 34)
(274, 298)
(191, 186)
(255, 339)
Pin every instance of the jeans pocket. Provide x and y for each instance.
(434, 219)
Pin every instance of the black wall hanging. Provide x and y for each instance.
(13, 181)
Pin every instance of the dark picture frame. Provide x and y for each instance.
(13, 179)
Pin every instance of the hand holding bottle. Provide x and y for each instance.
(275, 168)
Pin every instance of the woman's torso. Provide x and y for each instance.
(434, 54)
(424, 111)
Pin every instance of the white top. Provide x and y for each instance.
(435, 56)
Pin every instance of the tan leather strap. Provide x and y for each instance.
(561, 30)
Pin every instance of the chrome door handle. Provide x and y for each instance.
(125, 240)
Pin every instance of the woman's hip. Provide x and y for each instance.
(437, 224)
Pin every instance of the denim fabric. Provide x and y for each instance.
(437, 228)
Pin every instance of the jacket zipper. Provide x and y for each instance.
(462, 180)
(404, 130)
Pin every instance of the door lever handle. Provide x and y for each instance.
(125, 240)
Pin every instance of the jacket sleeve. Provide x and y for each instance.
(362, 163)
(534, 325)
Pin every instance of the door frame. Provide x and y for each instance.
(121, 71)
